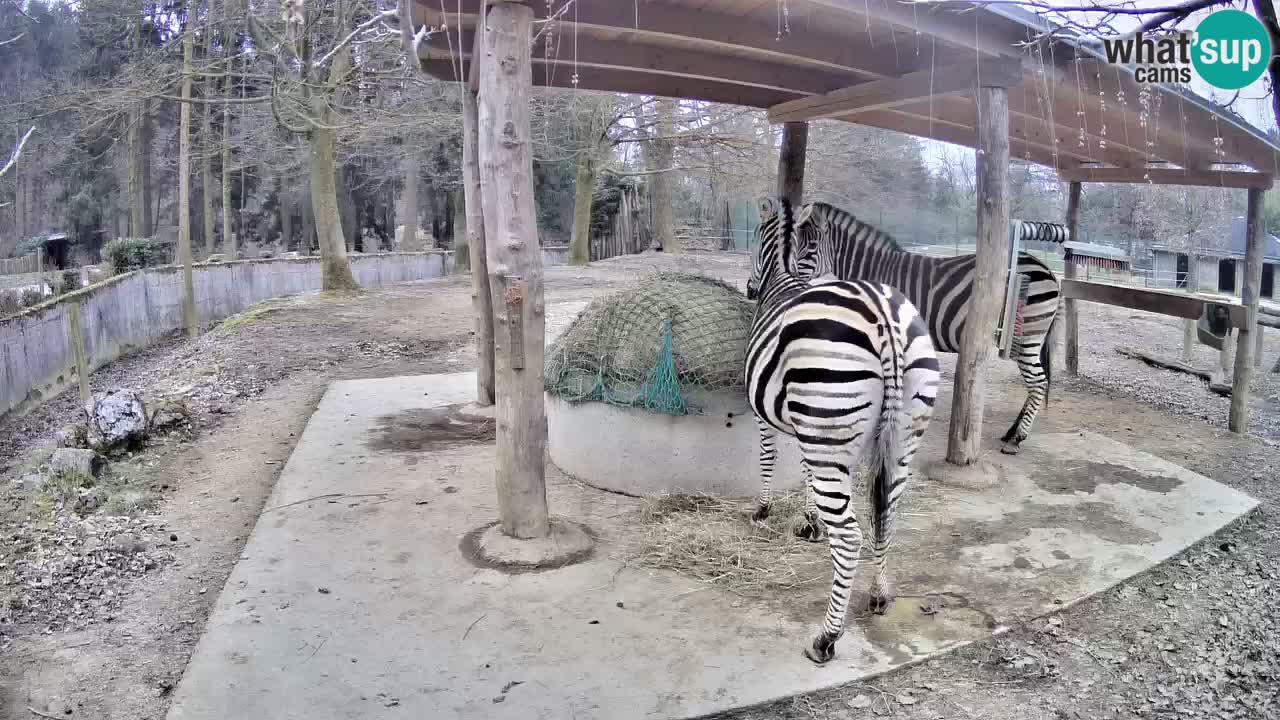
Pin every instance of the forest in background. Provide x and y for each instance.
(309, 130)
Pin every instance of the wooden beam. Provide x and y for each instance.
(891, 92)
(961, 134)
(515, 269)
(964, 438)
(964, 28)
(795, 141)
(1169, 176)
(1255, 234)
(638, 83)
(1072, 317)
(699, 27)
(1163, 302)
(636, 56)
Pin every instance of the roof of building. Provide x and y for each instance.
(895, 64)
(1236, 246)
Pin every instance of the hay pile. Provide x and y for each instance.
(713, 540)
(653, 344)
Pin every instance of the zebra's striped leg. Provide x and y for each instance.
(1036, 379)
(831, 488)
(884, 517)
(768, 454)
(810, 529)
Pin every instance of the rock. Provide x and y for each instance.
(169, 414)
(33, 482)
(77, 462)
(215, 258)
(117, 417)
(75, 435)
(90, 499)
(127, 543)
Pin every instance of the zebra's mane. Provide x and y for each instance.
(847, 223)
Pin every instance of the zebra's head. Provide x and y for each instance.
(783, 230)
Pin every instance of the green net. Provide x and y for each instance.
(655, 345)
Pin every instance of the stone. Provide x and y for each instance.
(215, 258)
(169, 414)
(32, 482)
(89, 500)
(76, 461)
(127, 543)
(118, 417)
(75, 435)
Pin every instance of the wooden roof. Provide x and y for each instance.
(897, 65)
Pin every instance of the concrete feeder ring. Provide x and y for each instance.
(636, 452)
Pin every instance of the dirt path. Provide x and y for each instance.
(1194, 638)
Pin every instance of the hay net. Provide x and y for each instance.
(654, 345)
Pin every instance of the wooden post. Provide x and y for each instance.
(1249, 293)
(795, 141)
(1192, 280)
(76, 336)
(1069, 270)
(1257, 346)
(481, 300)
(184, 186)
(964, 438)
(514, 266)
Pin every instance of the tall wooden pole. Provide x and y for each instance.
(964, 438)
(1238, 421)
(515, 267)
(795, 141)
(481, 300)
(1072, 310)
(184, 186)
(1192, 281)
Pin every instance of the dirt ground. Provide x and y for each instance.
(1197, 637)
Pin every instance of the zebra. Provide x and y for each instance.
(841, 245)
(848, 369)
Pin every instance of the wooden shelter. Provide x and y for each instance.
(994, 78)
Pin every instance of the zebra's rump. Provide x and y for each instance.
(827, 356)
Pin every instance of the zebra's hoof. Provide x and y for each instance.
(760, 516)
(879, 604)
(1009, 448)
(822, 650)
(809, 530)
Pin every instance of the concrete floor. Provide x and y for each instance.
(352, 599)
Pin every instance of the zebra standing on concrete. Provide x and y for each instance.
(835, 242)
(847, 368)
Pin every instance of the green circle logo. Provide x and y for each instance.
(1232, 49)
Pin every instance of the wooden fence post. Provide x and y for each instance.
(1255, 236)
(76, 337)
(515, 268)
(481, 298)
(1071, 309)
(1192, 281)
(964, 437)
(795, 141)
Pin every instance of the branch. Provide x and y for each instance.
(13, 39)
(13, 160)
(381, 17)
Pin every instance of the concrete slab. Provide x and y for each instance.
(352, 599)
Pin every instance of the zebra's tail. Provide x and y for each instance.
(1046, 350)
(895, 424)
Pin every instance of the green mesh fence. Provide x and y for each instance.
(653, 345)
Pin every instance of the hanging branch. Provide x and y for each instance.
(13, 159)
(13, 39)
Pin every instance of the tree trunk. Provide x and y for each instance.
(461, 251)
(584, 185)
(335, 270)
(481, 301)
(307, 244)
(137, 207)
(184, 186)
(515, 269)
(286, 224)
(409, 202)
(206, 173)
(660, 182)
(228, 233)
(149, 206)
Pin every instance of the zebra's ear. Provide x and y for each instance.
(804, 214)
(768, 208)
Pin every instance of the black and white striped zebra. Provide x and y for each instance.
(848, 369)
(838, 243)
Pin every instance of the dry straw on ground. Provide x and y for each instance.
(713, 540)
